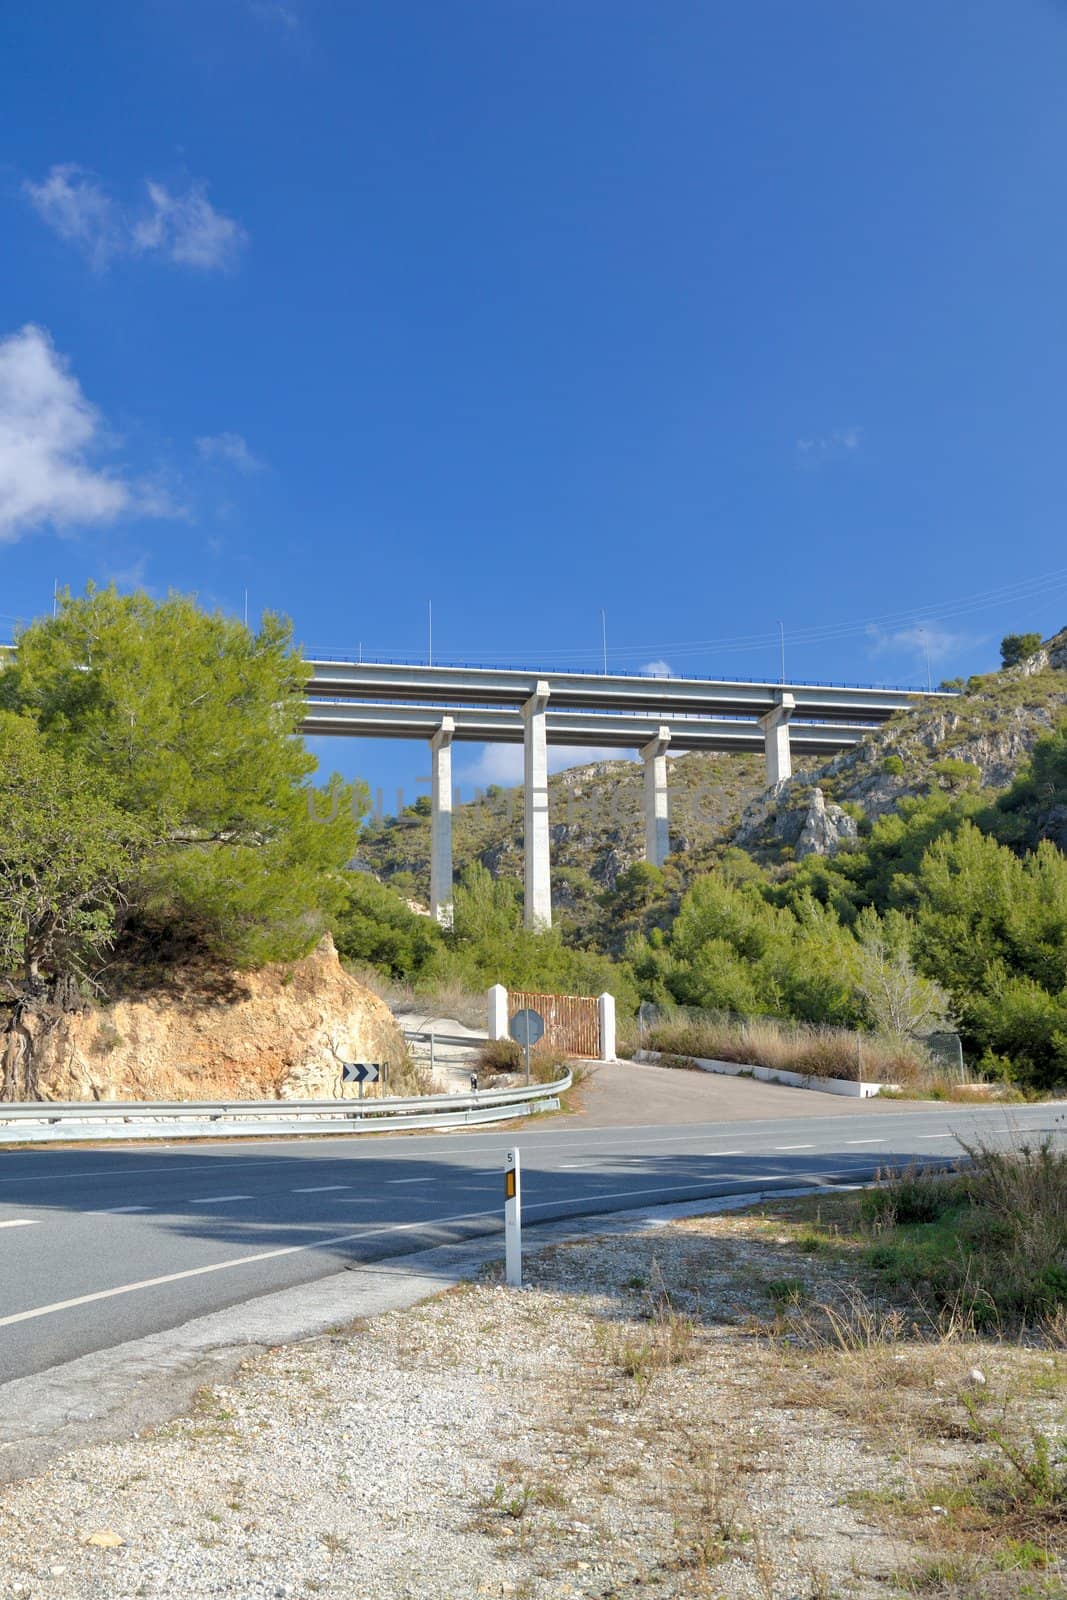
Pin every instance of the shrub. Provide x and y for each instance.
(1015, 647)
(989, 1240)
(374, 925)
(894, 766)
(499, 1055)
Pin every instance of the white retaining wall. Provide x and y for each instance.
(794, 1080)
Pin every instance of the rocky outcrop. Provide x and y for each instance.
(992, 728)
(281, 1032)
(1053, 654)
(825, 829)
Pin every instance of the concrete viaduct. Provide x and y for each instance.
(651, 715)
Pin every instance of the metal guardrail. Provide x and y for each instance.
(69, 1121)
(474, 1040)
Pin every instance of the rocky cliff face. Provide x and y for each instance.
(991, 729)
(825, 828)
(282, 1032)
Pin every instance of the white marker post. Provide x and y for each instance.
(512, 1221)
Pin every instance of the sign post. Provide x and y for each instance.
(360, 1072)
(526, 1027)
(512, 1221)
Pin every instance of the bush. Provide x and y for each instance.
(503, 1056)
(800, 1047)
(374, 925)
(1015, 647)
(497, 1056)
(953, 773)
(989, 1240)
(894, 766)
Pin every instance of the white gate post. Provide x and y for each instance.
(606, 1010)
(498, 1012)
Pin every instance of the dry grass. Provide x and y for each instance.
(444, 998)
(667, 1341)
(820, 1052)
(504, 1058)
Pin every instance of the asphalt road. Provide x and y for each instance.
(102, 1245)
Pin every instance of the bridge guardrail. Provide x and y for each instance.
(62, 1121)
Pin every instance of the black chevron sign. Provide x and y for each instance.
(360, 1072)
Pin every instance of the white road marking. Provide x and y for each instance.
(20, 1222)
(225, 1266)
(118, 1211)
(348, 1238)
(218, 1199)
(937, 1136)
(779, 1147)
(868, 1141)
(712, 1153)
(322, 1188)
(412, 1180)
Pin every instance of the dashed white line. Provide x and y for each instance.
(412, 1180)
(779, 1147)
(119, 1211)
(713, 1153)
(20, 1222)
(325, 1244)
(937, 1136)
(321, 1188)
(218, 1199)
(865, 1141)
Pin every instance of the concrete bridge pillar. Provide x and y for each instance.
(538, 912)
(441, 823)
(775, 727)
(657, 819)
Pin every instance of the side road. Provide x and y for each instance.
(634, 1094)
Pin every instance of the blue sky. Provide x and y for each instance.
(705, 314)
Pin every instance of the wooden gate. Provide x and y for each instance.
(572, 1021)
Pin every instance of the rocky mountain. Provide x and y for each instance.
(597, 824)
(982, 737)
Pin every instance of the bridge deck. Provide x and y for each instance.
(620, 732)
(658, 697)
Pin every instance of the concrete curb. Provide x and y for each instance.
(858, 1089)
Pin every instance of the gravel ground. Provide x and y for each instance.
(620, 1427)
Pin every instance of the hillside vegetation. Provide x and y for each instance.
(597, 823)
(157, 808)
(932, 894)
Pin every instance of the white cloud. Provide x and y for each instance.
(657, 669)
(183, 228)
(186, 229)
(75, 206)
(502, 763)
(833, 446)
(918, 640)
(230, 448)
(48, 431)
